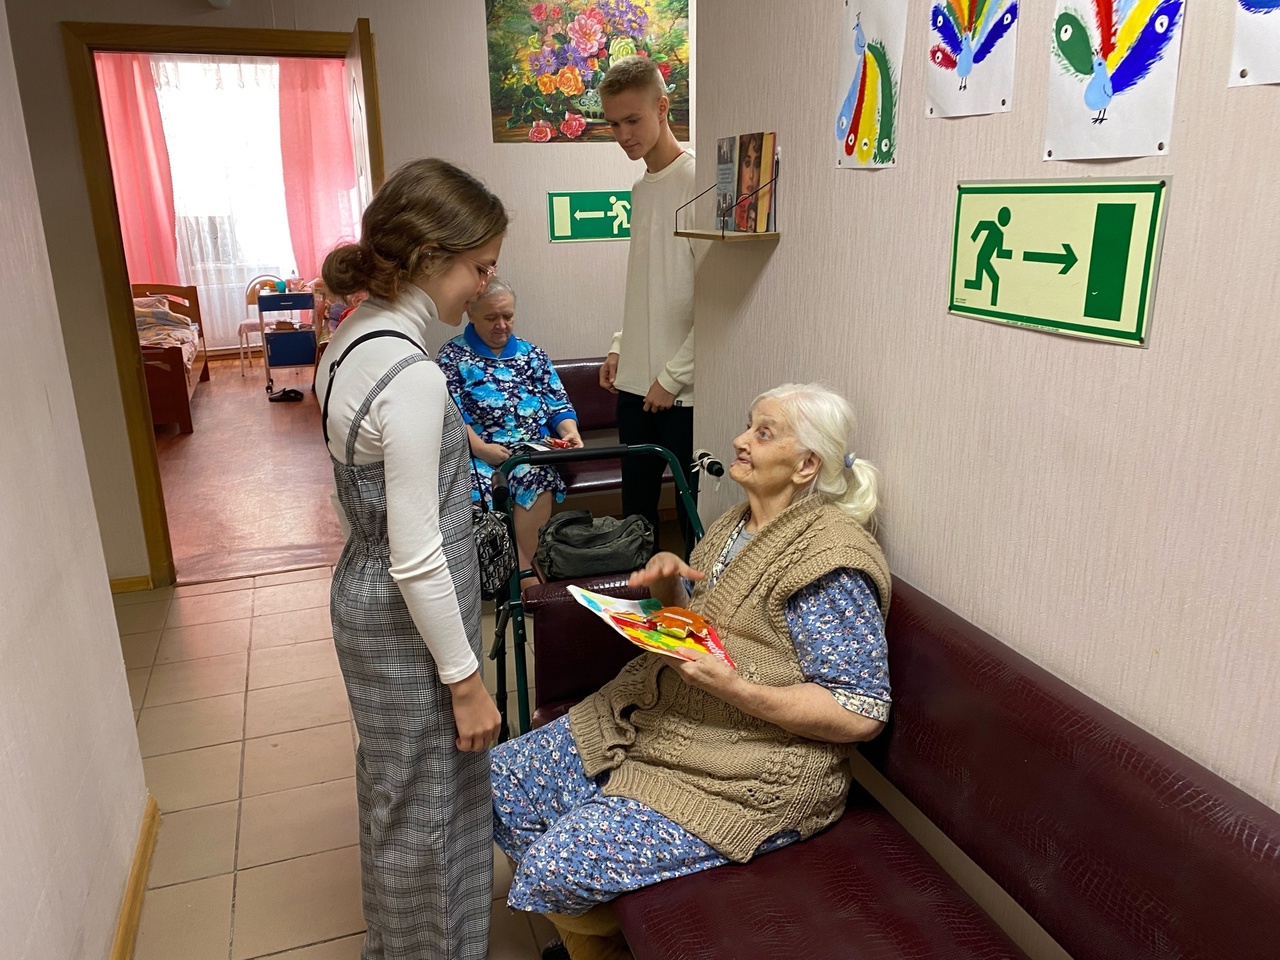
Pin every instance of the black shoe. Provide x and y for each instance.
(555, 950)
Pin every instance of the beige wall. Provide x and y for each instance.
(1110, 512)
(71, 790)
(432, 65)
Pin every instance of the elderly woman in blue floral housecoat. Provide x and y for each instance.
(509, 392)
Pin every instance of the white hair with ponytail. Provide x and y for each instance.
(822, 423)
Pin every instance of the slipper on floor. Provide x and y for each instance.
(288, 395)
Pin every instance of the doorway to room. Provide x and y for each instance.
(230, 485)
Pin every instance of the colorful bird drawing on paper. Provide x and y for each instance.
(865, 122)
(969, 31)
(1131, 38)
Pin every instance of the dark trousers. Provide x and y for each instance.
(642, 476)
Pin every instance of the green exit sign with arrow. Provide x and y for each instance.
(589, 215)
(1071, 257)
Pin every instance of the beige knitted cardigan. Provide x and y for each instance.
(728, 778)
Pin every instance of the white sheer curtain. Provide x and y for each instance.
(221, 120)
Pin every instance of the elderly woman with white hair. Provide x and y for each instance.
(676, 767)
(508, 392)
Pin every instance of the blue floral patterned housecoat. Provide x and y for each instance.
(506, 398)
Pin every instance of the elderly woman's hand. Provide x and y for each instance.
(662, 575)
(709, 673)
(494, 454)
(569, 434)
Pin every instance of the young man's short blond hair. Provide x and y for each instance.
(632, 73)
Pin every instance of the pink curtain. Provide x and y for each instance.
(319, 169)
(139, 166)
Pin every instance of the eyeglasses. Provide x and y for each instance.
(485, 271)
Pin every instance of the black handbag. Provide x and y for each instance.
(496, 553)
(574, 544)
(494, 549)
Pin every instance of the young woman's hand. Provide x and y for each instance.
(494, 454)
(477, 719)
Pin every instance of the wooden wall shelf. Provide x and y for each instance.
(726, 235)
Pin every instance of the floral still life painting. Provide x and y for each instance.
(546, 60)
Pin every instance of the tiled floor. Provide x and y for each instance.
(248, 746)
(248, 490)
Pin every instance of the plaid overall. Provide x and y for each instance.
(426, 835)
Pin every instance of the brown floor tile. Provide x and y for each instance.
(196, 679)
(509, 935)
(191, 724)
(141, 596)
(202, 640)
(297, 759)
(138, 680)
(298, 902)
(294, 576)
(213, 586)
(194, 844)
(141, 617)
(298, 822)
(294, 626)
(296, 706)
(293, 664)
(190, 921)
(291, 596)
(194, 778)
(348, 948)
(139, 649)
(210, 608)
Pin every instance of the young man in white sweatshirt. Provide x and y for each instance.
(650, 363)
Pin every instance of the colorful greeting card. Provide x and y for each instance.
(670, 631)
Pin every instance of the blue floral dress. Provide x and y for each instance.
(506, 398)
(574, 847)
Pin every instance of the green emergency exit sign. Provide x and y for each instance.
(1072, 257)
(589, 215)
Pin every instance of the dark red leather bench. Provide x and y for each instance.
(597, 411)
(1119, 846)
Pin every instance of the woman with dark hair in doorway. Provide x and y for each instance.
(406, 596)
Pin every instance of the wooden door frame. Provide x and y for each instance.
(80, 42)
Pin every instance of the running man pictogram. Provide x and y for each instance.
(621, 213)
(992, 246)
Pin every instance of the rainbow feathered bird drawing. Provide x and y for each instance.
(866, 119)
(968, 31)
(1128, 39)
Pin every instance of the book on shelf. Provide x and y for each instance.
(764, 199)
(669, 631)
(726, 181)
(771, 225)
(744, 165)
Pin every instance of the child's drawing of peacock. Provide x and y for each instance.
(1129, 38)
(866, 119)
(968, 30)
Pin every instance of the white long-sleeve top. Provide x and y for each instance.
(656, 339)
(403, 430)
